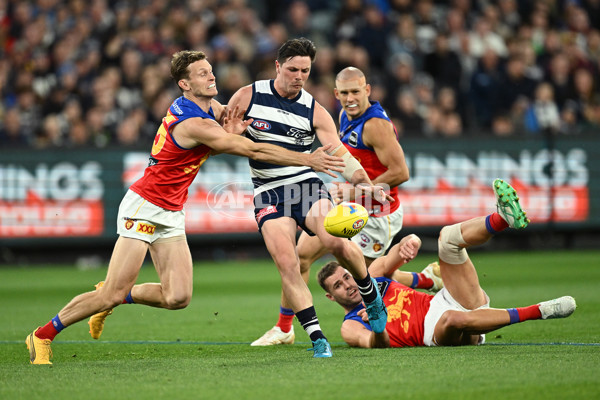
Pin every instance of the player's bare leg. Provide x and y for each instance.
(123, 269)
(280, 238)
(350, 257)
(173, 263)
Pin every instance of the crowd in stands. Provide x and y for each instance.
(96, 73)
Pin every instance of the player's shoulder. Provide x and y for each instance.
(241, 97)
(378, 123)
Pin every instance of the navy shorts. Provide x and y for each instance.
(292, 201)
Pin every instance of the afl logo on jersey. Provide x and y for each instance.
(261, 125)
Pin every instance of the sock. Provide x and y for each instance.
(51, 329)
(420, 281)
(309, 321)
(128, 299)
(494, 223)
(367, 290)
(524, 313)
(286, 317)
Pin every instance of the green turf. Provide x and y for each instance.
(203, 352)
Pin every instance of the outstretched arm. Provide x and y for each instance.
(356, 335)
(401, 253)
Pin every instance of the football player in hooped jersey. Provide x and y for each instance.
(369, 135)
(285, 198)
(457, 315)
(151, 216)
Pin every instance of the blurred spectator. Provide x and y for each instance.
(485, 84)
(514, 84)
(502, 126)
(559, 76)
(403, 39)
(542, 115)
(586, 97)
(11, 132)
(410, 123)
(371, 35)
(443, 64)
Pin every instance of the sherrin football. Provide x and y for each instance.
(346, 219)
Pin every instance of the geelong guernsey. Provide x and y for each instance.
(283, 122)
(352, 138)
(172, 168)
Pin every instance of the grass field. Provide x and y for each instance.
(203, 351)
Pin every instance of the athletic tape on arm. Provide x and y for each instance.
(352, 165)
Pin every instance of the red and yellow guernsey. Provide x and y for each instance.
(352, 138)
(406, 313)
(172, 168)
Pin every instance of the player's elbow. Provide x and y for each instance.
(401, 176)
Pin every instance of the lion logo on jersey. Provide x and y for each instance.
(396, 310)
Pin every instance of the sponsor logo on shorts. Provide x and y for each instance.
(364, 238)
(377, 247)
(128, 223)
(358, 224)
(261, 125)
(145, 228)
(265, 211)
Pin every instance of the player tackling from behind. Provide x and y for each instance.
(151, 216)
(457, 315)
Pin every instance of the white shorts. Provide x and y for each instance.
(376, 237)
(140, 219)
(442, 302)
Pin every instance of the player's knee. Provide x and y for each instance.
(449, 245)
(177, 301)
(454, 320)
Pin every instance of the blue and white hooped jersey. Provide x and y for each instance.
(283, 122)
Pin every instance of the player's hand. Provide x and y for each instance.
(363, 314)
(320, 161)
(409, 247)
(233, 123)
(342, 191)
(376, 192)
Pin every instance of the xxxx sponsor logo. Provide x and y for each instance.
(145, 228)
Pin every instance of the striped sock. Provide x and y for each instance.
(367, 289)
(309, 321)
(286, 317)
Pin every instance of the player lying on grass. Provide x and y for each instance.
(459, 314)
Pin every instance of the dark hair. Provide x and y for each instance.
(325, 272)
(296, 48)
(181, 61)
